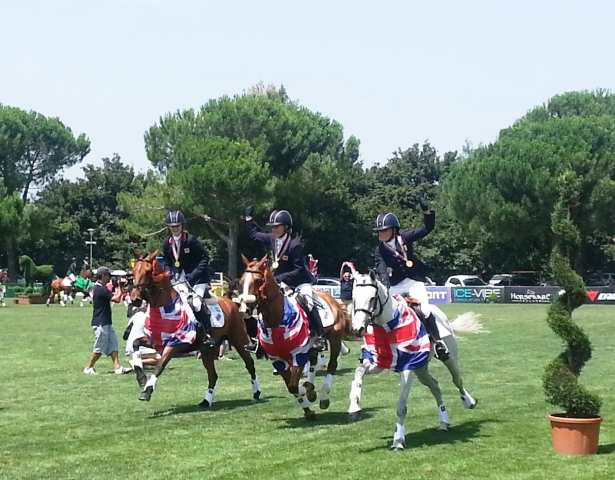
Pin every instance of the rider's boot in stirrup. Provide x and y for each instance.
(320, 344)
(203, 316)
(440, 348)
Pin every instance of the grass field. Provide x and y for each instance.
(56, 422)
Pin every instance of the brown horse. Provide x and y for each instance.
(64, 292)
(258, 285)
(152, 284)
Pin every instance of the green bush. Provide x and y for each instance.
(560, 381)
(18, 290)
(29, 291)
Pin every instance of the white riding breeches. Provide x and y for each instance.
(308, 292)
(184, 291)
(413, 289)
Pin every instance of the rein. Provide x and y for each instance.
(151, 288)
(261, 289)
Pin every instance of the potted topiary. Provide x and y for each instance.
(576, 431)
(493, 297)
(29, 297)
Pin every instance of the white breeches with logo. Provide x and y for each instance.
(413, 289)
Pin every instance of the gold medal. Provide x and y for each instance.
(275, 265)
(177, 264)
(409, 263)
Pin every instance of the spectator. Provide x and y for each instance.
(106, 340)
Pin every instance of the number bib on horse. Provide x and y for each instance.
(400, 344)
(171, 325)
(289, 344)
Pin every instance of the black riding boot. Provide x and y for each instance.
(316, 326)
(203, 316)
(440, 348)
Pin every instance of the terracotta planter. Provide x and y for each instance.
(575, 436)
(31, 300)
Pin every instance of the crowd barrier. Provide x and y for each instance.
(492, 294)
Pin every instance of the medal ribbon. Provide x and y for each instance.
(176, 248)
(399, 240)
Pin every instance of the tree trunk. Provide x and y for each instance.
(231, 243)
(11, 256)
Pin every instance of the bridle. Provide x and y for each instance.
(377, 303)
(150, 288)
(261, 290)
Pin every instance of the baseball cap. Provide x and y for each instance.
(103, 271)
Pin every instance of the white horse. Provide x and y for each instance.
(373, 305)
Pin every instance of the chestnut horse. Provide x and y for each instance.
(152, 284)
(59, 288)
(258, 286)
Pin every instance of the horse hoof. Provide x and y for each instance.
(355, 416)
(146, 394)
(204, 404)
(256, 397)
(397, 448)
(471, 407)
(311, 396)
(443, 428)
(324, 404)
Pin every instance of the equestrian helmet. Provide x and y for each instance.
(175, 218)
(386, 220)
(280, 217)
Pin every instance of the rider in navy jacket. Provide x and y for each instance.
(183, 254)
(289, 263)
(402, 272)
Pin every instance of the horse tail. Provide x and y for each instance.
(467, 323)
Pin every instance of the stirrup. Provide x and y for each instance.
(441, 351)
(209, 341)
(251, 347)
(320, 344)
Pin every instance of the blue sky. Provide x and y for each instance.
(393, 73)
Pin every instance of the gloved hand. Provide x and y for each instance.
(423, 203)
(248, 211)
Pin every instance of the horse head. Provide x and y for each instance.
(369, 296)
(148, 277)
(255, 283)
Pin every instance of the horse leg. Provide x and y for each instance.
(311, 368)
(399, 438)
(354, 411)
(167, 355)
(301, 392)
(207, 357)
(453, 367)
(238, 342)
(426, 379)
(335, 342)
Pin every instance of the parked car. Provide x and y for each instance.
(608, 278)
(512, 280)
(330, 285)
(596, 280)
(464, 281)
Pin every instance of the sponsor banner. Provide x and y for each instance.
(600, 296)
(485, 294)
(439, 294)
(529, 294)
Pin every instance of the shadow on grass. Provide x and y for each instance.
(460, 433)
(217, 406)
(323, 417)
(602, 449)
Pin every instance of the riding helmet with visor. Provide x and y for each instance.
(280, 217)
(386, 220)
(175, 218)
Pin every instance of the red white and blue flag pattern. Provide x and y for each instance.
(400, 344)
(171, 325)
(288, 345)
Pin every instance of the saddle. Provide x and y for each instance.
(415, 305)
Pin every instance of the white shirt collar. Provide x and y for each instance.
(177, 238)
(392, 243)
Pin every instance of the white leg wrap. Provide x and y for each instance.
(467, 399)
(329, 381)
(152, 382)
(311, 376)
(303, 401)
(209, 396)
(322, 361)
(136, 360)
(256, 386)
(400, 433)
(355, 396)
(443, 414)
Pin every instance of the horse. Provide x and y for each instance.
(64, 288)
(4, 276)
(33, 273)
(283, 333)
(395, 334)
(152, 284)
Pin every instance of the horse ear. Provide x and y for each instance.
(151, 256)
(372, 275)
(136, 253)
(245, 260)
(263, 260)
